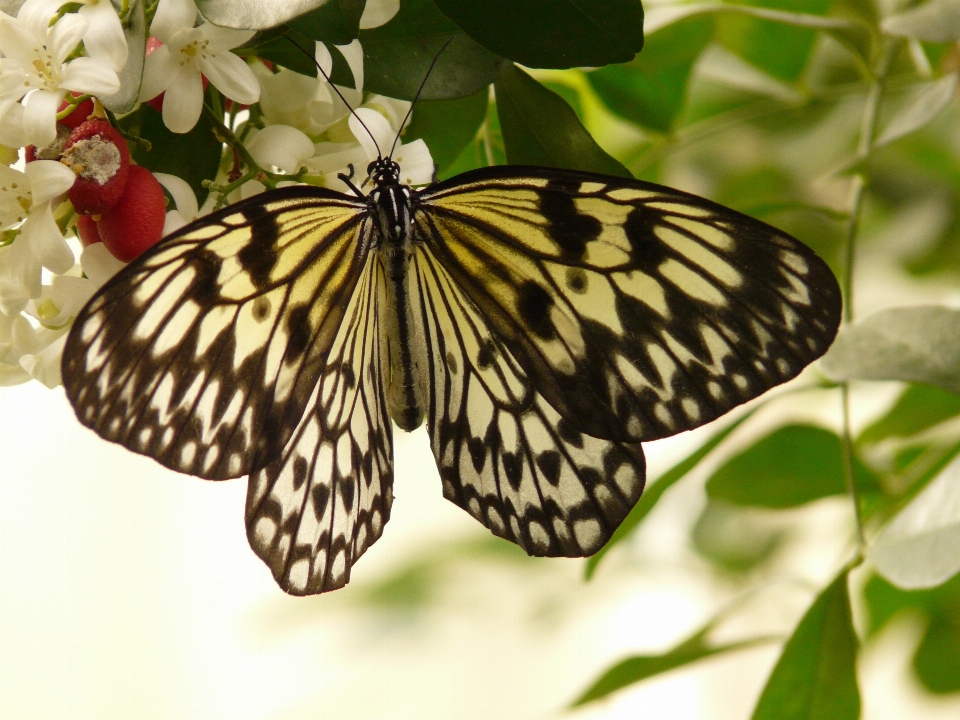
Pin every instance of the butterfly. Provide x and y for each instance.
(542, 322)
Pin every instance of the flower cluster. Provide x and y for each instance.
(77, 195)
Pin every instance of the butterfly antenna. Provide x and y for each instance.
(340, 94)
(417, 96)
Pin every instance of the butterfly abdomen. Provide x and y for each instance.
(392, 213)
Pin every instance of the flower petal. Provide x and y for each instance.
(416, 163)
(87, 75)
(173, 15)
(48, 178)
(19, 43)
(281, 145)
(104, 40)
(11, 127)
(159, 69)
(353, 54)
(231, 76)
(182, 193)
(46, 242)
(378, 12)
(34, 16)
(65, 35)
(373, 132)
(221, 38)
(99, 264)
(324, 59)
(40, 116)
(183, 101)
(19, 276)
(45, 365)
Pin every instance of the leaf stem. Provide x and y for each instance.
(868, 127)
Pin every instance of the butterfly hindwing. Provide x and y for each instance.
(637, 311)
(504, 454)
(313, 511)
(203, 353)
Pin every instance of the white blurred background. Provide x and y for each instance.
(128, 591)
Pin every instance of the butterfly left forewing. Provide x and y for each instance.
(202, 354)
(312, 512)
(504, 453)
(637, 311)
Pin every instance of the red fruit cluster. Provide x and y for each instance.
(117, 203)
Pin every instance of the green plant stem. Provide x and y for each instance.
(868, 128)
(254, 171)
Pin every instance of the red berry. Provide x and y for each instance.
(99, 156)
(79, 115)
(136, 222)
(87, 230)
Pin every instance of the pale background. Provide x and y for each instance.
(128, 591)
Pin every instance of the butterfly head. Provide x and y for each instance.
(384, 172)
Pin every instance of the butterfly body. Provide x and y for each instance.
(541, 322)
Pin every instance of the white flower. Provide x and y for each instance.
(104, 39)
(175, 68)
(185, 210)
(414, 159)
(25, 200)
(282, 146)
(38, 51)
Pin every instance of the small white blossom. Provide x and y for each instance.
(25, 199)
(175, 68)
(185, 202)
(282, 146)
(39, 51)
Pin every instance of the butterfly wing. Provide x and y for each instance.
(312, 512)
(505, 455)
(204, 352)
(635, 310)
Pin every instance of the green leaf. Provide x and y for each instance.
(937, 658)
(193, 156)
(397, 56)
(919, 343)
(135, 33)
(919, 108)
(275, 45)
(556, 34)
(653, 493)
(448, 126)
(919, 408)
(652, 89)
(793, 465)
(632, 670)
(254, 14)
(816, 677)
(779, 49)
(734, 538)
(336, 22)
(539, 128)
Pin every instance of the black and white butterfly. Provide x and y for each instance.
(543, 322)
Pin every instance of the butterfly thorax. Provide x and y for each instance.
(391, 208)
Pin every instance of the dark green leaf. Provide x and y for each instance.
(448, 126)
(193, 156)
(651, 90)
(277, 48)
(397, 56)
(539, 128)
(816, 676)
(652, 494)
(920, 407)
(779, 49)
(336, 22)
(554, 33)
(937, 660)
(640, 667)
(792, 466)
